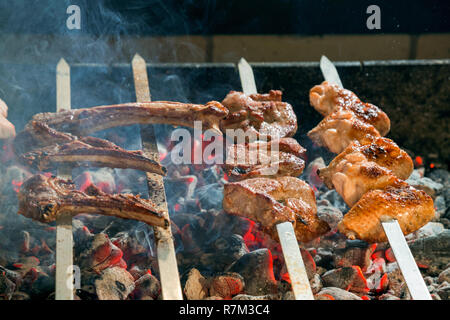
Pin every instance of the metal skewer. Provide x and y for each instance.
(64, 238)
(289, 245)
(394, 234)
(168, 269)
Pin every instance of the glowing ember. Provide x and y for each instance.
(16, 185)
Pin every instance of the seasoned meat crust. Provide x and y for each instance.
(52, 138)
(82, 122)
(45, 198)
(412, 209)
(337, 130)
(382, 151)
(327, 98)
(259, 114)
(272, 201)
(280, 157)
(92, 151)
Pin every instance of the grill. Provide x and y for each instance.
(414, 95)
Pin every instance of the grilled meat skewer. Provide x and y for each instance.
(83, 122)
(327, 98)
(67, 148)
(412, 209)
(272, 201)
(259, 114)
(281, 157)
(46, 198)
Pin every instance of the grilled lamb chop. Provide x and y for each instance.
(259, 114)
(67, 148)
(79, 153)
(46, 198)
(412, 208)
(327, 98)
(272, 201)
(337, 130)
(82, 122)
(279, 157)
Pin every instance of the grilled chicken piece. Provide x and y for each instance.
(360, 168)
(46, 198)
(67, 148)
(382, 151)
(279, 157)
(259, 115)
(272, 201)
(411, 207)
(82, 122)
(337, 130)
(327, 98)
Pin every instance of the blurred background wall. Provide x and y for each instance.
(222, 31)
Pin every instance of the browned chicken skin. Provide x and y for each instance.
(412, 209)
(369, 170)
(259, 114)
(272, 201)
(276, 158)
(327, 98)
(337, 130)
(46, 198)
(360, 168)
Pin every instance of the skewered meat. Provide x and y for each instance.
(382, 151)
(337, 130)
(272, 201)
(7, 129)
(46, 198)
(279, 157)
(412, 208)
(67, 148)
(361, 168)
(79, 153)
(82, 122)
(259, 114)
(327, 98)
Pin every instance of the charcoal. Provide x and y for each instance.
(114, 283)
(440, 205)
(335, 199)
(444, 292)
(147, 287)
(226, 285)
(250, 297)
(210, 196)
(397, 285)
(256, 269)
(338, 294)
(18, 295)
(432, 251)
(347, 278)
(196, 286)
(388, 296)
(428, 230)
(356, 253)
(99, 254)
(444, 276)
(328, 213)
(7, 287)
(42, 287)
(316, 283)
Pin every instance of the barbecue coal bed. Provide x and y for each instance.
(225, 250)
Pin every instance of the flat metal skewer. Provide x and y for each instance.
(167, 262)
(394, 234)
(64, 238)
(289, 245)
